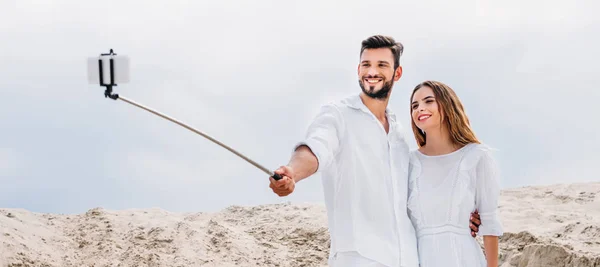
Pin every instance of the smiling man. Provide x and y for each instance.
(357, 145)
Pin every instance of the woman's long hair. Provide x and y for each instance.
(452, 115)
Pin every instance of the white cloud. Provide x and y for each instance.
(8, 164)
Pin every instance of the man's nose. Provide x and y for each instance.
(372, 71)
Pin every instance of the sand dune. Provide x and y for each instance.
(545, 226)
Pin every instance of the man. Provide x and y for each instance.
(358, 147)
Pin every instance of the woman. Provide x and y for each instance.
(452, 174)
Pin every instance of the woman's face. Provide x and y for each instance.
(425, 111)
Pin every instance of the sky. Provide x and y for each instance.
(252, 74)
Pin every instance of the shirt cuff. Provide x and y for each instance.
(319, 150)
(490, 224)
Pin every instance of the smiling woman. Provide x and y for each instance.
(436, 109)
(452, 175)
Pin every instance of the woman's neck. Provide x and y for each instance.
(439, 142)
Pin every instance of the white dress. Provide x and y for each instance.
(443, 191)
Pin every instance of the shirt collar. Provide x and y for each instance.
(355, 102)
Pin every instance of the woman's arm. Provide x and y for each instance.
(490, 244)
(487, 198)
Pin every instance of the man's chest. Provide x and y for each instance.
(369, 142)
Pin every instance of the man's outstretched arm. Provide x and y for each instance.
(302, 164)
(314, 153)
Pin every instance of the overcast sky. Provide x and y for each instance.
(253, 73)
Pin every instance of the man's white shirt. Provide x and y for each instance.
(365, 180)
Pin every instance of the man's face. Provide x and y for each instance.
(376, 72)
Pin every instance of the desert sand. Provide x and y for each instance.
(555, 225)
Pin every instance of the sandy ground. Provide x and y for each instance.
(545, 226)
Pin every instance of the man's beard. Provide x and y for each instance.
(382, 94)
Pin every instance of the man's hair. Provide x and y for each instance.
(381, 41)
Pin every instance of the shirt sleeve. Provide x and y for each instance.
(323, 135)
(487, 195)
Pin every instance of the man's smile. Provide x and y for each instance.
(372, 81)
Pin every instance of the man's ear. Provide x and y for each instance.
(398, 73)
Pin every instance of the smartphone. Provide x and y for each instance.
(111, 74)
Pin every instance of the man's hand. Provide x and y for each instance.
(475, 223)
(286, 184)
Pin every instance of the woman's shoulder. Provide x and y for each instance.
(413, 158)
(479, 148)
(476, 152)
(414, 153)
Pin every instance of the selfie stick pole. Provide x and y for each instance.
(109, 94)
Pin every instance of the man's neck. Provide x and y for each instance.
(376, 106)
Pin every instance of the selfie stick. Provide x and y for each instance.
(123, 62)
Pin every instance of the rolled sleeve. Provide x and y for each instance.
(488, 192)
(323, 135)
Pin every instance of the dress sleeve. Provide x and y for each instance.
(487, 195)
(324, 134)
